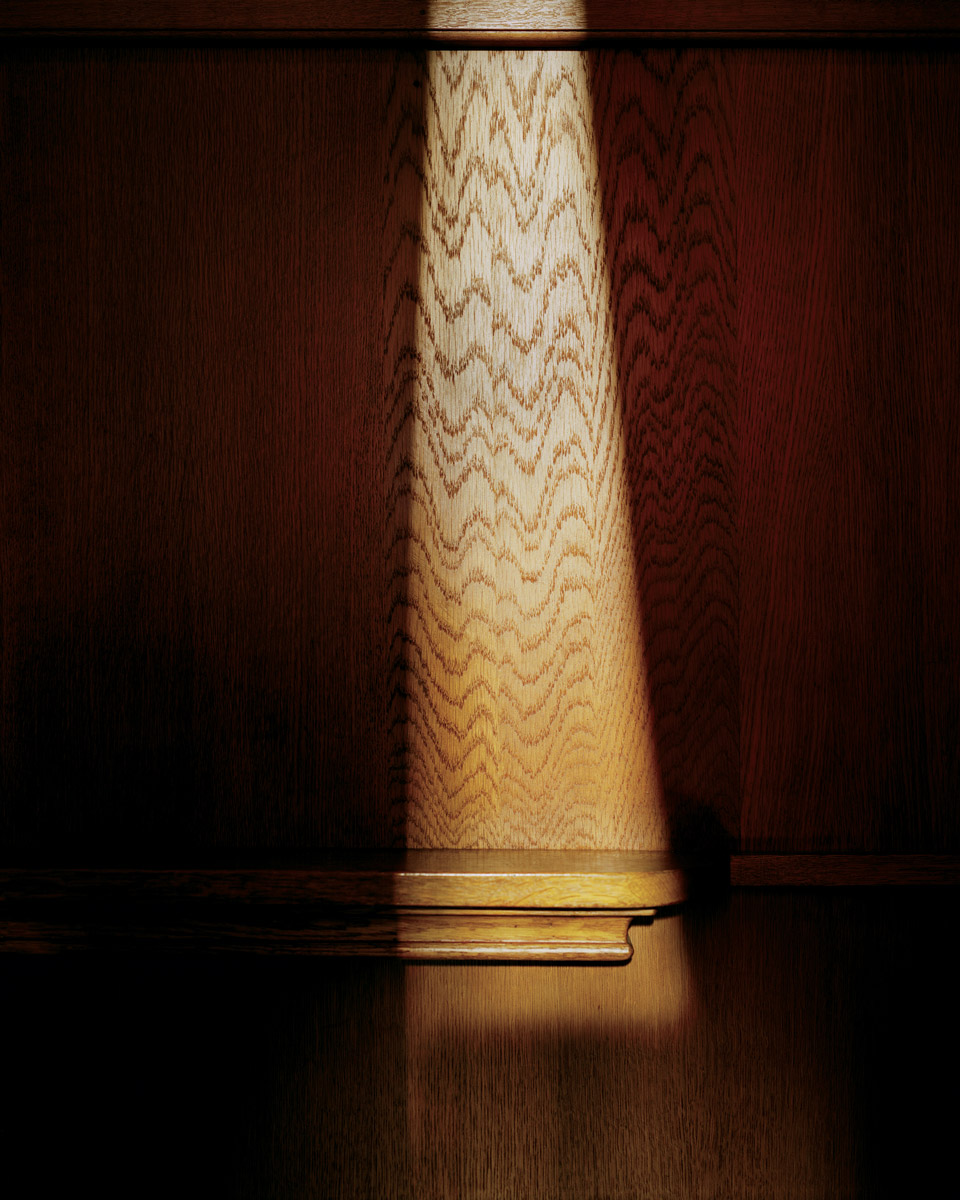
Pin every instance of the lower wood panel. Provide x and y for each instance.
(849, 436)
(361, 487)
(784, 1045)
(191, 498)
(478, 448)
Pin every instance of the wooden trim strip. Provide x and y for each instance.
(429, 904)
(542, 21)
(844, 870)
(428, 935)
(541, 879)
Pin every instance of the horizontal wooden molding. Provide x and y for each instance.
(540, 21)
(424, 904)
(511, 935)
(844, 870)
(402, 879)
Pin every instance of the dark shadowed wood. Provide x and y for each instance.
(216, 1055)
(844, 870)
(777, 1069)
(191, 561)
(665, 125)
(516, 20)
(848, 167)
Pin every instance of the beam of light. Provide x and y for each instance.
(528, 718)
(525, 717)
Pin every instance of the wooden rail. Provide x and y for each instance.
(844, 870)
(539, 21)
(427, 904)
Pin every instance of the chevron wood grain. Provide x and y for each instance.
(519, 670)
(518, 660)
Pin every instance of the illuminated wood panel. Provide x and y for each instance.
(560, 368)
(520, 664)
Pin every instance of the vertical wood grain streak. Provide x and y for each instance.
(849, 168)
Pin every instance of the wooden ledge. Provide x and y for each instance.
(420, 904)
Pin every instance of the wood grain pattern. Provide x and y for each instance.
(261, 646)
(844, 870)
(285, 561)
(553, 20)
(161, 687)
(779, 1070)
(520, 660)
(665, 125)
(564, 449)
(192, 571)
(548, 879)
(849, 439)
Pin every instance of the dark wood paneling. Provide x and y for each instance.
(665, 124)
(844, 870)
(849, 166)
(203, 1080)
(192, 566)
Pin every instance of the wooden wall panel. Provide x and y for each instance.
(479, 449)
(497, 21)
(192, 571)
(329, 519)
(849, 165)
(817, 1056)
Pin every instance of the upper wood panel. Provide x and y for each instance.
(360, 489)
(559, 377)
(463, 449)
(498, 20)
